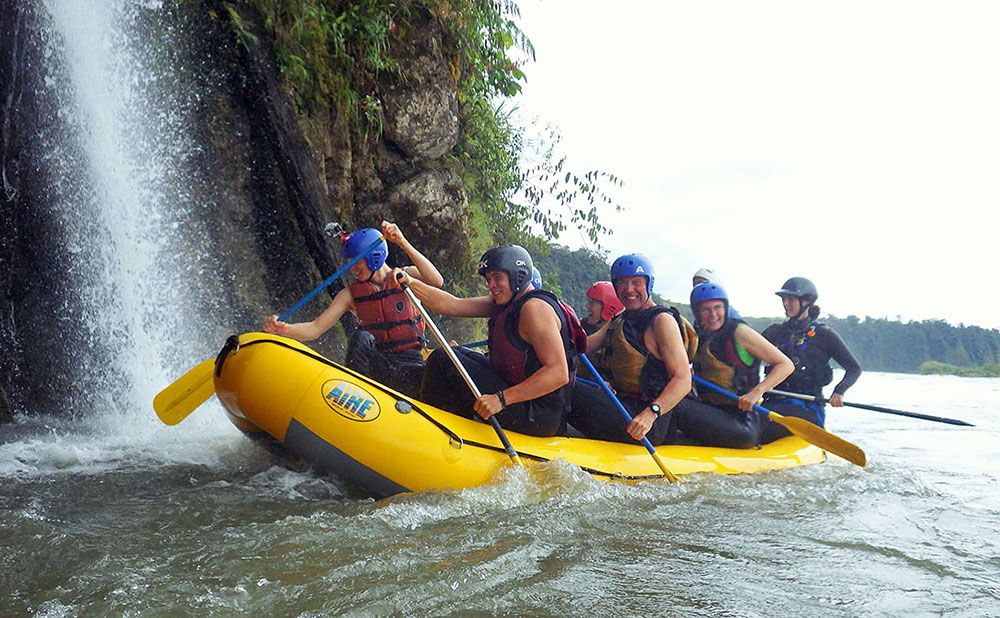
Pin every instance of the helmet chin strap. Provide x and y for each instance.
(803, 308)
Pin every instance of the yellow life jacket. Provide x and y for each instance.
(722, 361)
(626, 355)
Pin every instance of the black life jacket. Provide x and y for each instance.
(797, 340)
(388, 315)
(719, 362)
(513, 357)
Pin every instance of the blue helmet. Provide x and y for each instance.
(360, 240)
(511, 259)
(708, 291)
(632, 265)
(536, 278)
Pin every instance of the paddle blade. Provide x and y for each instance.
(174, 403)
(821, 438)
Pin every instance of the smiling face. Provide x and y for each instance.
(712, 314)
(792, 305)
(499, 285)
(361, 271)
(632, 291)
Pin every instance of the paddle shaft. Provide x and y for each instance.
(621, 409)
(462, 371)
(865, 406)
(813, 434)
(326, 282)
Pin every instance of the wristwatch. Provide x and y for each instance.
(657, 410)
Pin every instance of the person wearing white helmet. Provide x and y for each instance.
(708, 275)
(704, 275)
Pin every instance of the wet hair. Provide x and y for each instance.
(813, 312)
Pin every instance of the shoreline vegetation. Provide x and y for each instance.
(935, 368)
(928, 347)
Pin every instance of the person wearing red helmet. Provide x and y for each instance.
(389, 339)
(526, 378)
(602, 305)
(644, 352)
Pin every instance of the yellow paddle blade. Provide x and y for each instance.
(174, 403)
(821, 438)
(663, 467)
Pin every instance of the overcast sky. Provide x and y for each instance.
(854, 143)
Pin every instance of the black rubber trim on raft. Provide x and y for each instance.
(451, 434)
(325, 456)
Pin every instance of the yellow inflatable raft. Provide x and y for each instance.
(389, 443)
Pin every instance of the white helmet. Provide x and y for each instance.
(707, 274)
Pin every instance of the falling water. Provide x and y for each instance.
(123, 133)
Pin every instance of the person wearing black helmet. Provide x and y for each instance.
(810, 345)
(389, 339)
(729, 355)
(645, 352)
(525, 380)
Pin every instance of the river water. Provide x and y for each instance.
(117, 515)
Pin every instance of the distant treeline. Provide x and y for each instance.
(929, 346)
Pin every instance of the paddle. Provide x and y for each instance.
(802, 428)
(461, 370)
(865, 406)
(174, 403)
(621, 409)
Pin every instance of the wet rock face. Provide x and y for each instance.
(420, 108)
(265, 194)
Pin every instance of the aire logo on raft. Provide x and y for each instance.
(350, 400)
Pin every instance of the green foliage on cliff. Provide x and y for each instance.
(332, 52)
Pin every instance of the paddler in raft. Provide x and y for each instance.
(810, 345)
(646, 351)
(602, 305)
(729, 355)
(531, 364)
(390, 336)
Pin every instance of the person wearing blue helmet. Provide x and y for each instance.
(645, 353)
(811, 345)
(729, 355)
(708, 275)
(388, 343)
(526, 377)
(536, 278)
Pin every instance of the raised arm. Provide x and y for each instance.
(422, 269)
(307, 331)
(441, 301)
(781, 366)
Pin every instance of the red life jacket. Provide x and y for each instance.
(513, 357)
(389, 316)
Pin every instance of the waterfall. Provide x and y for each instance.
(117, 158)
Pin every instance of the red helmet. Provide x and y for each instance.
(603, 292)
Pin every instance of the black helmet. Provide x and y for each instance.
(511, 259)
(800, 287)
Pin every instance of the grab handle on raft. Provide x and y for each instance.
(801, 428)
(865, 406)
(461, 370)
(621, 410)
